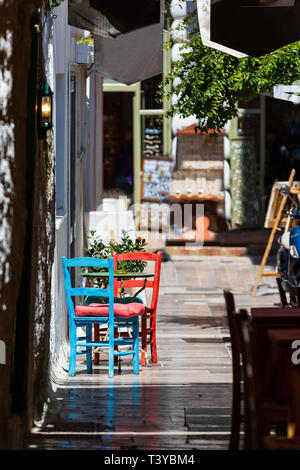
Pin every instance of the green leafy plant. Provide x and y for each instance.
(212, 83)
(88, 40)
(98, 249)
(53, 3)
(127, 245)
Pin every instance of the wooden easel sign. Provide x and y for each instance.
(274, 219)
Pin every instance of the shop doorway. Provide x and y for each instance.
(282, 141)
(118, 144)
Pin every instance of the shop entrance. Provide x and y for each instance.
(282, 141)
(118, 144)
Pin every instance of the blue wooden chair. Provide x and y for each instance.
(112, 314)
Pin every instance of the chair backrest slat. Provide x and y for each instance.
(95, 291)
(134, 283)
(88, 291)
(86, 262)
(137, 255)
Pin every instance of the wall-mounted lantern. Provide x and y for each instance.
(44, 110)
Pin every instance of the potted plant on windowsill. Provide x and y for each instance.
(84, 50)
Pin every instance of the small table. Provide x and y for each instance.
(276, 317)
(120, 276)
(271, 323)
(279, 360)
(128, 275)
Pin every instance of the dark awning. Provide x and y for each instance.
(252, 27)
(129, 15)
(128, 36)
(109, 18)
(204, 18)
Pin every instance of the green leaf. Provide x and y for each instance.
(212, 82)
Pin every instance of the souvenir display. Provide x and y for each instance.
(153, 142)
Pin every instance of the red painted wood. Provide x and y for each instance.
(96, 331)
(148, 335)
(133, 283)
(136, 255)
(144, 339)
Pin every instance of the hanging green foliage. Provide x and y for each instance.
(211, 82)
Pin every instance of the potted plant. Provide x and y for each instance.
(84, 50)
(98, 249)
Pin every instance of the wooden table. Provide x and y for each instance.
(267, 317)
(279, 361)
(121, 276)
(276, 327)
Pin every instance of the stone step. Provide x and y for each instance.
(213, 250)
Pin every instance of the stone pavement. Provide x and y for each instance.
(183, 402)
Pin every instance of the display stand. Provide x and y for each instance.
(156, 177)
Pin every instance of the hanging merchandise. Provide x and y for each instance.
(244, 212)
(153, 142)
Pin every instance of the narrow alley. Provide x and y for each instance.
(131, 133)
(184, 401)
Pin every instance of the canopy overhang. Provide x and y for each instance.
(128, 36)
(249, 27)
(110, 18)
(131, 57)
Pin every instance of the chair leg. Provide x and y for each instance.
(73, 353)
(111, 356)
(144, 339)
(111, 364)
(89, 349)
(96, 338)
(135, 334)
(153, 340)
(116, 349)
(282, 294)
(236, 417)
(298, 295)
(154, 357)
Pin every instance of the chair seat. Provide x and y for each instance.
(91, 299)
(102, 310)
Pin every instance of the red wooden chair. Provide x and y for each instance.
(148, 332)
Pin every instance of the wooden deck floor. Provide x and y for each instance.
(183, 402)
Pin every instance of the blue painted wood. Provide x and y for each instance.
(88, 322)
(124, 353)
(102, 320)
(135, 336)
(117, 342)
(87, 291)
(88, 262)
(89, 358)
